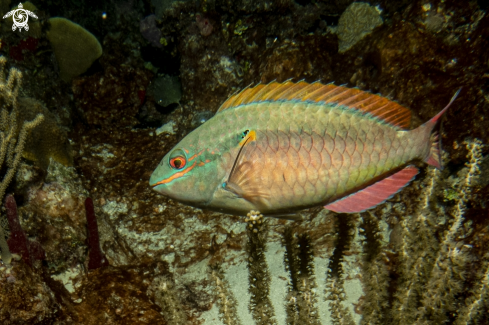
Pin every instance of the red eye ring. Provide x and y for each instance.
(178, 162)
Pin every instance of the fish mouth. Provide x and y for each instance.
(154, 184)
(159, 188)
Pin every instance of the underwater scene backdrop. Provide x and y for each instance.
(94, 93)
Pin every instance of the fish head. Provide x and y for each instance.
(187, 173)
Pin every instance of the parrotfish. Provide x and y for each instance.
(283, 147)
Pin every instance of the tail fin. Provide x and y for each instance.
(433, 127)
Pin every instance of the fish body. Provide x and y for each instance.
(283, 147)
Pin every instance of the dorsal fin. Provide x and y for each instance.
(378, 106)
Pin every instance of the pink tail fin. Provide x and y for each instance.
(434, 158)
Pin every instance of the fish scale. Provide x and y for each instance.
(280, 148)
(289, 191)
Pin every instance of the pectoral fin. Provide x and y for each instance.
(244, 180)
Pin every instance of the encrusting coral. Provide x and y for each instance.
(74, 46)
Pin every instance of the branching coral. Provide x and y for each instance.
(447, 274)
(226, 301)
(375, 275)
(259, 276)
(335, 277)
(12, 140)
(301, 298)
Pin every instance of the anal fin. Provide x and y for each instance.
(374, 194)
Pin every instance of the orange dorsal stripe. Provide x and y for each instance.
(378, 106)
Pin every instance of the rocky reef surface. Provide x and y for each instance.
(420, 258)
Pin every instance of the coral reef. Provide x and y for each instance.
(117, 295)
(4, 5)
(336, 276)
(161, 6)
(18, 243)
(55, 209)
(165, 295)
(25, 298)
(111, 98)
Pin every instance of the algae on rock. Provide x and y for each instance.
(161, 6)
(166, 90)
(48, 140)
(358, 20)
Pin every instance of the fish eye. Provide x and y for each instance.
(178, 162)
(178, 159)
